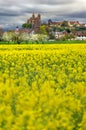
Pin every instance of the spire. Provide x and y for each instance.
(17, 28)
(33, 15)
(39, 16)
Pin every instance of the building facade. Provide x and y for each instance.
(35, 21)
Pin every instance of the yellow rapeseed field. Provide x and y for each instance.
(43, 87)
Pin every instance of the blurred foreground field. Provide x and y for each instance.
(43, 87)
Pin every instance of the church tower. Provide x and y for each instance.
(33, 16)
(35, 21)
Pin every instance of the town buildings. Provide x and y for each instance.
(57, 29)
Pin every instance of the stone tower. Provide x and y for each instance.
(35, 21)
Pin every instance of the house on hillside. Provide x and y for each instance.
(51, 23)
(80, 35)
(59, 35)
(24, 31)
(60, 23)
(74, 23)
(83, 25)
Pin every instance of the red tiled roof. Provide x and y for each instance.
(59, 23)
(74, 22)
(56, 23)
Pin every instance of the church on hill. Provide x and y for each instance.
(35, 21)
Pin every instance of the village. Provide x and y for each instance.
(57, 30)
(35, 29)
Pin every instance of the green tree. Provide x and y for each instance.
(65, 24)
(27, 25)
(54, 28)
(68, 30)
(42, 30)
(68, 36)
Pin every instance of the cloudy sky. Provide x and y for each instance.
(16, 12)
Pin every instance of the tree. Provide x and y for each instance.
(7, 36)
(68, 37)
(42, 30)
(27, 25)
(54, 28)
(65, 24)
(25, 37)
(17, 38)
(38, 38)
(42, 38)
(68, 30)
